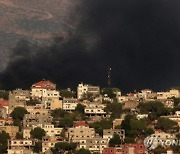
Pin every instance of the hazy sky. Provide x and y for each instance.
(139, 39)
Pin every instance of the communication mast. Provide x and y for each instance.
(109, 76)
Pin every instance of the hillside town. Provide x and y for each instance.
(90, 120)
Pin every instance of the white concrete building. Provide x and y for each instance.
(19, 146)
(26, 133)
(51, 130)
(69, 104)
(94, 109)
(85, 88)
(44, 89)
(168, 94)
(141, 116)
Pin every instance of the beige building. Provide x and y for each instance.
(168, 94)
(130, 104)
(117, 122)
(30, 120)
(95, 145)
(95, 109)
(55, 104)
(108, 133)
(80, 130)
(69, 104)
(11, 130)
(26, 133)
(51, 130)
(84, 89)
(21, 146)
(48, 143)
(4, 121)
(17, 98)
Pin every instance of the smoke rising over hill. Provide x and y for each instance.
(140, 40)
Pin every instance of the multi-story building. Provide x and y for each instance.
(3, 112)
(51, 130)
(117, 122)
(20, 146)
(4, 108)
(108, 133)
(168, 94)
(69, 104)
(130, 104)
(95, 145)
(48, 143)
(44, 90)
(26, 133)
(95, 109)
(30, 120)
(175, 117)
(17, 98)
(54, 104)
(38, 109)
(134, 149)
(112, 150)
(169, 103)
(11, 130)
(80, 131)
(6, 121)
(85, 88)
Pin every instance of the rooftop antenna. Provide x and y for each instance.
(109, 76)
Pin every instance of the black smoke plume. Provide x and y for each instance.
(139, 39)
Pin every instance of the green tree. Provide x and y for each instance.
(61, 147)
(18, 113)
(178, 136)
(100, 125)
(37, 147)
(4, 94)
(126, 122)
(114, 109)
(176, 108)
(80, 108)
(88, 96)
(66, 93)
(149, 131)
(58, 113)
(155, 107)
(19, 135)
(115, 141)
(83, 151)
(63, 132)
(159, 150)
(167, 125)
(17, 122)
(3, 142)
(32, 102)
(129, 140)
(109, 91)
(38, 133)
(176, 101)
(138, 125)
(66, 122)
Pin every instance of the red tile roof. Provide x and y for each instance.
(80, 123)
(3, 102)
(44, 84)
